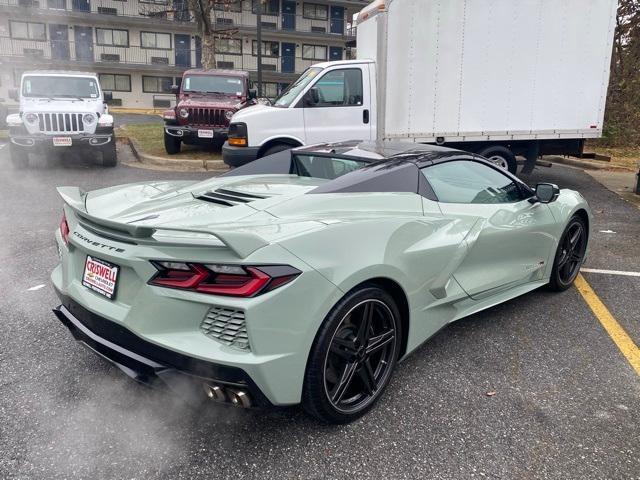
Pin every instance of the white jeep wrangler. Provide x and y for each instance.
(59, 111)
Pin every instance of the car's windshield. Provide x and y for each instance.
(292, 91)
(213, 84)
(317, 166)
(59, 86)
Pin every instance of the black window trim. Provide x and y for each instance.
(231, 53)
(315, 5)
(326, 47)
(27, 22)
(265, 55)
(112, 44)
(300, 103)
(114, 81)
(156, 33)
(156, 77)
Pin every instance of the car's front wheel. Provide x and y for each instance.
(569, 255)
(353, 356)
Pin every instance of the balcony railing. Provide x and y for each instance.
(40, 54)
(177, 11)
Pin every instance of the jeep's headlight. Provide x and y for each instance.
(183, 112)
(31, 118)
(14, 120)
(89, 119)
(228, 114)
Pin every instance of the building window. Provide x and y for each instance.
(270, 89)
(228, 6)
(155, 2)
(27, 30)
(230, 46)
(156, 84)
(315, 11)
(270, 7)
(115, 83)
(314, 52)
(269, 49)
(155, 40)
(110, 37)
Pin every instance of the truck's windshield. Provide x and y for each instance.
(59, 86)
(212, 84)
(292, 91)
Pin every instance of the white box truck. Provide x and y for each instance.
(499, 78)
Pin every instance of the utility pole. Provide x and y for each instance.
(259, 41)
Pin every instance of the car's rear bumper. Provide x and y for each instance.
(151, 364)
(238, 156)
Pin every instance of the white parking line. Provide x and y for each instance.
(610, 272)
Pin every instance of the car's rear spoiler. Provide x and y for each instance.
(241, 243)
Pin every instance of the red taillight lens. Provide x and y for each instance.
(232, 280)
(64, 229)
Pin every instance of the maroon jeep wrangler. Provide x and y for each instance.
(205, 102)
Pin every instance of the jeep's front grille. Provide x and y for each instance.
(226, 326)
(60, 122)
(212, 117)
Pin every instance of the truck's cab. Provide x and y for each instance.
(60, 110)
(205, 102)
(329, 102)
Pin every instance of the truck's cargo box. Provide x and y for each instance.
(489, 69)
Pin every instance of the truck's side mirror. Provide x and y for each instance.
(175, 89)
(108, 96)
(253, 93)
(13, 94)
(546, 192)
(312, 97)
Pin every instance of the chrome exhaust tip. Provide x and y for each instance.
(239, 398)
(235, 396)
(215, 392)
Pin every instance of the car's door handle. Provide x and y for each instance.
(365, 116)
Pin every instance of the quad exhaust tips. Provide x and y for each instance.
(235, 396)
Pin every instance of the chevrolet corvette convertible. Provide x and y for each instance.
(305, 276)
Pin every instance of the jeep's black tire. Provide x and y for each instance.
(19, 157)
(569, 255)
(171, 144)
(109, 155)
(352, 359)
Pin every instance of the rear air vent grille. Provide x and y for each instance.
(228, 198)
(226, 326)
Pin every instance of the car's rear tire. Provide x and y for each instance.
(19, 157)
(569, 255)
(109, 155)
(278, 147)
(353, 356)
(171, 144)
(501, 156)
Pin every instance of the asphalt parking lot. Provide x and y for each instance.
(534, 388)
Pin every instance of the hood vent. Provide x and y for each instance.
(228, 198)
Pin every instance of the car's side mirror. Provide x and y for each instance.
(312, 97)
(546, 192)
(108, 96)
(13, 94)
(253, 93)
(175, 89)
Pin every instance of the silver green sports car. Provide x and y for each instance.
(305, 276)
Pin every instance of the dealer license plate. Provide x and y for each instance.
(205, 133)
(62, 141)
(100, 276)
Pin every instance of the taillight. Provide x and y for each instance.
(232, 280)
(64, 229)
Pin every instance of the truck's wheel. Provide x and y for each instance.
(171, 144)
(19, 157)
(501, 156)
(109, 155)
(278, 147)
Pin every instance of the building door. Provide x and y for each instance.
(198, 52)
(288, 60)
(335, 53)
(337, 20)
(59, 41)
(288, 15)
(183, 50)
(84, 43)
(81, 5)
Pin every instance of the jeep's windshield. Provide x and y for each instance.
(56, 86)
(213, 84)
(292, 91)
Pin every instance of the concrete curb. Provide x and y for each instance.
(174, 164)
(579, 163)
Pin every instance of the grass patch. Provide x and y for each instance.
(150, 138)
(623, 157)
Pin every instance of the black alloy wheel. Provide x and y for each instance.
(354, 357)
(570, 254)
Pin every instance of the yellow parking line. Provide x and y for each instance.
(621, 338)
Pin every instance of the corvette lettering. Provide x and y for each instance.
(98, 244)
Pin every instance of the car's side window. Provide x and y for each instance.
(339, 88)
(325, 167)
(466, 181)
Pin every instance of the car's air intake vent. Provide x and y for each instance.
(229, 198)
(226, 326)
